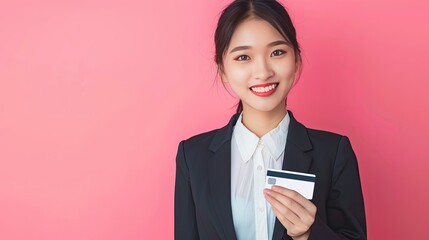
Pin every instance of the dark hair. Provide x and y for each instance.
(238, 11)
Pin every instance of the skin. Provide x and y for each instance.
(267, 58)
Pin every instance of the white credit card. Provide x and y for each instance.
(303, 183)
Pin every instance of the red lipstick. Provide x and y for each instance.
(264, 85)
(262, 90)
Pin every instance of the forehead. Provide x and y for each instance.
(254, 32)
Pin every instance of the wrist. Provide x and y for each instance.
(303, 236)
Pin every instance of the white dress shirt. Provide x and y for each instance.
(250, 157)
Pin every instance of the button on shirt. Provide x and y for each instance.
(250, 157)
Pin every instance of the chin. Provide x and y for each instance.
(266, 108)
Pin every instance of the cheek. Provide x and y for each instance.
(286, 71)
(238, 76)
(288, 74)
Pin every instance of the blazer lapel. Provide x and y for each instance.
(220, 178)
(295, 158)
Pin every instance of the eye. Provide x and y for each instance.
(242, 58)
(278, 52)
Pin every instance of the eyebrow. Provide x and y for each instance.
(272, 44)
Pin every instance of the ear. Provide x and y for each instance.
(298, 63)
(296, 66)
(295, 74)
(223, 78)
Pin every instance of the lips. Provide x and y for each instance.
(264, 90)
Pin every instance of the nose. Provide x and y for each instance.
(262, 69)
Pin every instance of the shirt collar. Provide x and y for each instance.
(274, 140)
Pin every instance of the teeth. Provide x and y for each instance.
(264, 89)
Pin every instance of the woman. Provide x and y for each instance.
(220, 174)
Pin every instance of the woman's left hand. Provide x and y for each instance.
(294, 211)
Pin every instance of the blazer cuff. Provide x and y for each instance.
(321, 231)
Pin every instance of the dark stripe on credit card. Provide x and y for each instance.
(291, 176)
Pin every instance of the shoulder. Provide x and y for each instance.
(212, 139)
(310, 137)
(195, 150)
(326, 141)
(323, 136)
(321, 142)
(331, 152)
(201, 139)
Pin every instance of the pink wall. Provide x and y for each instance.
(96, 95)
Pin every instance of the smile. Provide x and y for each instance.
(264, 90)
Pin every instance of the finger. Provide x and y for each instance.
(285, 222)
(296, 196)
(291, 204)
(282, 208)
(291, 228)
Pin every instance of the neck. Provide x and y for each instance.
(261, 123)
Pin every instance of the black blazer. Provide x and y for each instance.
(202, 199)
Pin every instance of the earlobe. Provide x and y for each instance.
(297, 68)
(222, 77)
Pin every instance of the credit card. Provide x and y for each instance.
(303, 183)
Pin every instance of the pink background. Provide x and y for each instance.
(96, 95)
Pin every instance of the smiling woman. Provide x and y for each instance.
(261, 59)
(220, 174)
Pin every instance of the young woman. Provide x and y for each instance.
(220, 174)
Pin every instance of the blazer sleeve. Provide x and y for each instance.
(185, 224)
(345, 205)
